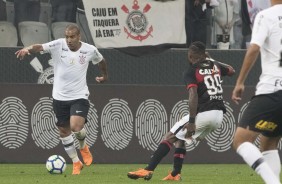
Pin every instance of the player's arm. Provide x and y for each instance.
(104, 71)
(228, 69)
(193, 105)
(248, 63)
(28, 50)
(261, 31)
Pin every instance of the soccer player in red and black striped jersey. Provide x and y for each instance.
(206, 108)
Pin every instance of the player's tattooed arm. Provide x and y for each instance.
(34, 48)
(193, 102)
(193, 105)
(28, 50)
(231, 70)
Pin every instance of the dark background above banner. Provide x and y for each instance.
(159, 69)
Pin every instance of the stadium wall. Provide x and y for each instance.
(160, 69)
(128, 115)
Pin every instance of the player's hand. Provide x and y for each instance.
(21, 53)
(101, 79)
(190, 127)
(237, 93)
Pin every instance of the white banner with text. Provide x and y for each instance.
(127, 23)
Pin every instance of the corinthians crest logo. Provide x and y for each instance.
(137, 22)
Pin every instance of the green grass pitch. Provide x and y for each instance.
(117, 174)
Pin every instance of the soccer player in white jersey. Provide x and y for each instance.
(263, 114)
(70, 92)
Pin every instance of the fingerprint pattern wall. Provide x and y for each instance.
(220, 140)
(13, 122)
(117, 124)
(151, 123)
(43, 124)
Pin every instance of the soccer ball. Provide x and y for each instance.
(56, 164)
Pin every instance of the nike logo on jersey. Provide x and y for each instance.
(78, 111)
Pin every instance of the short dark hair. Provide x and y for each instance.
(73, 27)
(197, 47)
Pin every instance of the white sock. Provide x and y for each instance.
(81, 137)
(69, 147)
(273, 160)
(253, 157)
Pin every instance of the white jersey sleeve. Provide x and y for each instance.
(53, 45)
(260, 30)
(97, 56)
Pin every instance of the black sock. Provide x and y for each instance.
(179, 156)
(158, 155)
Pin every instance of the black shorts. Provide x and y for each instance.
(264, 114)
(65, 109)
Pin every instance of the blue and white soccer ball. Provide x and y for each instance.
(56, 164)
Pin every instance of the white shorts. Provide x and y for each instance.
(205, 122)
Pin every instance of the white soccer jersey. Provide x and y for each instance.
(70, 68)
(267, 33)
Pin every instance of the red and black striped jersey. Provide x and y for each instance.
(206, 76)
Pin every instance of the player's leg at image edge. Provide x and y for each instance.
(254, 158)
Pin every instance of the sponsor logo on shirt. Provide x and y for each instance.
(205, 71)
(278, 82)
(209, 71)
(266, 125)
